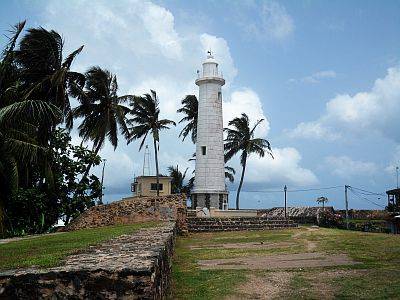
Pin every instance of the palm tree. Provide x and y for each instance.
(46, 75)
(145, 119)
(178, 178)
(19, 147)
(20, 120)
(190, 109)
(9, 72)
(102, 110)
(322, 200)
(241, 139)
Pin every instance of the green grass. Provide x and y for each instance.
(50, 250)
(375, 277)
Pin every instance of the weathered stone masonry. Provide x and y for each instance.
(134, 210)
(136, 266)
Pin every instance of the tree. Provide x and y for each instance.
(35, 209)
(71, 162)
(190, 109)
(45, 74)
(145, 120)
(322, 200)
(35, 83)
(178, 179)
(102, 110)
(240, 138)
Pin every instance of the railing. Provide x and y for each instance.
(215, 74)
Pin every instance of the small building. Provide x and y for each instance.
(393, 200)
(393, 208)
(147, 186)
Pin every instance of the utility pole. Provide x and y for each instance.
(285, 189)
(102, 180)
(397, 176)
(347, 205)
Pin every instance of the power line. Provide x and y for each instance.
(317, 189)
(363, 198)
(299, 190)
(265, 191)
(365, 191)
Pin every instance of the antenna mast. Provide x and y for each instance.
(146, 162)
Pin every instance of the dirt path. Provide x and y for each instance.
(254, 245)
(263, 287)
(284, 261)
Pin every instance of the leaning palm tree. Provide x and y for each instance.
(145, 119)
(240, 138)
(101, 108)
(190, 109)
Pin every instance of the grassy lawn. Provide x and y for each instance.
(50, 250)
(376, 276)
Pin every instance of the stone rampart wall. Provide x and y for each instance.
(133, 210)
(135, 266)
(301, 215)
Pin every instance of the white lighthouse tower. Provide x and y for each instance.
(209, 185)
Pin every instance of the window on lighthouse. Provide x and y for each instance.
(203, 150)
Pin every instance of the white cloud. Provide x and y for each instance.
(246, 101)
(374, 111)
(269, 20)
(159, 22)
(344, 166)
(313, 130)
(315, 77)
(283, 169)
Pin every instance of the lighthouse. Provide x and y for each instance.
(209, 185)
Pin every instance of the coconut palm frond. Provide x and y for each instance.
(190, 109)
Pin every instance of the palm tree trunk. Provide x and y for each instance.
(241, 182)
(157, 174)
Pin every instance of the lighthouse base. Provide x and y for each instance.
(217, 200)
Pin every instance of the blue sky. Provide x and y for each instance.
(324, 74)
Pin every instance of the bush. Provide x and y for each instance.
(329, 219)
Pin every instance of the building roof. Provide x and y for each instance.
(154, 176)
(393, 192)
